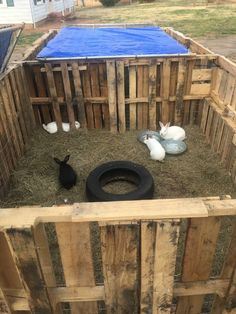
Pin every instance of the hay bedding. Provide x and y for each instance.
(198, 172)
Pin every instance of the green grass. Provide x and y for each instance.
(26, 38)
(195, 21)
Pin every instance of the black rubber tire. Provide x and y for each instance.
(119, 170)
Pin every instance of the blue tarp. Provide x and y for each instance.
(5, 39)
(78, 42)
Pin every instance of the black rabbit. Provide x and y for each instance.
(67, 175)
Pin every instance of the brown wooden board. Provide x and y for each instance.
(26, 260)
(112, 97)
(152, 96)
(79, 99)
(132, 95)
(86, 85)
(199, 253)
(104, 93)
(95, 88)
(165, 86)
(76, 256)
(53, 94)
(121, 96)
(119, 254)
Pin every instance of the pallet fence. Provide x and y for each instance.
(138, 257)
(16, 122)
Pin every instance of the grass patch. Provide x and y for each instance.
(27, 39)
(195, 21)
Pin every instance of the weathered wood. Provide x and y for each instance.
(53, 95)
(97, 110)
(139, 94)
(119, 254)
(117, 211)
(152, 95)
(179, 106)
(26, 260)
(121, 96)
(111, 81)
(132, 94)
(167, 233)
(68, 94)
(165, 90)
(79, 95)
(104, 94)
(76, 256)
(201, 237)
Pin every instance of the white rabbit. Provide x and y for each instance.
(172, 132)
(52, 127)
(157, 152)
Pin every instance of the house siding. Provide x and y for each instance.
(19, 13)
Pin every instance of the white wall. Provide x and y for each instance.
(41, 10)
(19, 13)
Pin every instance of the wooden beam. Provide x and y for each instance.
(117, 211)
(96, 293)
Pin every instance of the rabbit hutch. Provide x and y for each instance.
(174, 253)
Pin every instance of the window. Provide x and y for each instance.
(10, 3)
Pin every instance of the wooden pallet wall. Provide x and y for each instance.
(120, 95)
(138, 258)
(16, 122)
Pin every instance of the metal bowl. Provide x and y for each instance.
(143, 135)
(174, 147)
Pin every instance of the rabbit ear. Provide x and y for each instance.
(161, 124)
(57, 160)
(167, 125)
(66, 158)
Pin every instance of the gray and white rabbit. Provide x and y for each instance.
(157, 152)
(172, 132)
(67, 175)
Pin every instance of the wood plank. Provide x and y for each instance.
(201, 237)
(104, 94)
(165, 86)
(53, 95)
(145, 94)
(14, 115)
(18, 106)
(167, 234)
(77, 260)
(23, 99)
(201, 75)
(26, 260)
(152, 96)
(26, 95)
(205, 111)
(41, 92)
(148, 233)
(179, 105)
(9, 119)
(79, 95)
(209, 123)
(111, 80)
(9, 276)
(223, 85)
(5, 132)
(117, 211)
(231, 85)
(68, 94)
(121, 96)
(139, 94)
(97, 110)
(201, 89)
(132, 94)
(188, 90)
(119, 253)
(228, 271)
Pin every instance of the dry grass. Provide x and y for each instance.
(198, 172)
